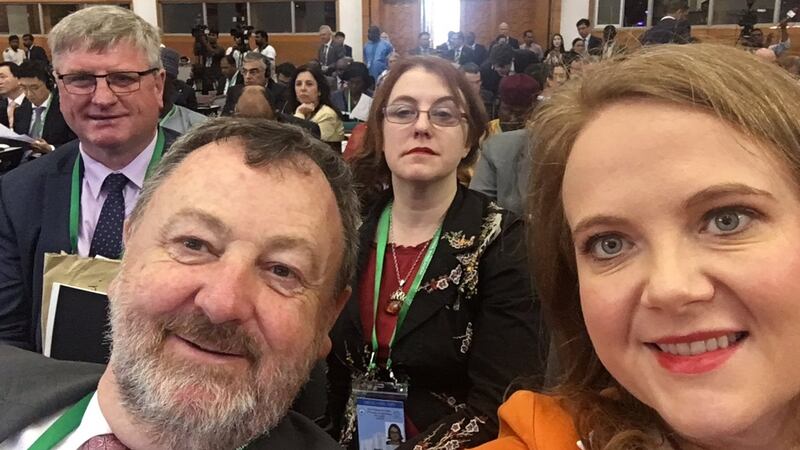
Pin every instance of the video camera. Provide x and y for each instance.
(242, 31)
(200, 33)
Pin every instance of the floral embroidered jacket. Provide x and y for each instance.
(473, 328)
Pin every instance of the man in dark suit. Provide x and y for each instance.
(673, 28)
(209, 349)
(459, 53)
(111, 98)
(338, 39)
(230, 75)
(34, 52)
(329, 51)
(423, 47)
(479, 52)
(255, 67)
(11, 94)
(594, 45)
(504, 30)
(40, 116)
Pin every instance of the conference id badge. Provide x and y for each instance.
(380, 413)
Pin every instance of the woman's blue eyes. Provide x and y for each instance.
(720, 222)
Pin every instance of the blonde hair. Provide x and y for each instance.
(758, 99)
(98, 28)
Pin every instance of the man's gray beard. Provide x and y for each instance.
(183, 405)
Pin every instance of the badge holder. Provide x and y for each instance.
(380, 412)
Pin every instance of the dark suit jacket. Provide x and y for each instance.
(36, 53)
(33, 387)
(34, 219)
(479, 54)
(335, 53)
(348, 51)
(55, 132)
(467, 55)
(668, 31)
(594, 45)
(4, 111)
(417, 51)
(223, 80)
(462, 342)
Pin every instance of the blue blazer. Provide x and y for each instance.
(34, 219)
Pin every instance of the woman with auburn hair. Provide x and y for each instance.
(442, 305)
(666, 231)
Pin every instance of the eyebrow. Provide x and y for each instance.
(407, 98)
(193, 214)
(706, 195)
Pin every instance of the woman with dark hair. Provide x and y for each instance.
(394, 436)
(555, 54)
(359, 82)
(442, 300)
(310, 100)
(665, 223)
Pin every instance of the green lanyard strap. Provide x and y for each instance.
(75, 190)
(63, 426)
(383, 238)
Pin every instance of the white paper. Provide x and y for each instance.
(8, 133)
(361, 111)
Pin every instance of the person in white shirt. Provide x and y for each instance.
(262, 41)
(13, 53)
(11, 93)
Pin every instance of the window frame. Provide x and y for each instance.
(650, 19)
(249, 15)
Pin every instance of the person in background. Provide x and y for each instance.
(230, 75)
(501, 172)
(221, 307)
(376, 52)
(459, 53)
(339, 83)
(385, 37)
(673, 28)
(467, 325)
(479, 52)
(338, 39)
(359, 82)
(40, 116)
(254, 71)
(530, 45)
(578, 51)
(329, 51)
(393, 58)
(448, 45)
(555, 53)
(757, 38)
(591, 44)
(310, 100)
(504, 30)
(472, 73)
(238, 49)
(662, 186)
(283, 86)
(518, 94)
(13, 53)
(34, 52)
(556, 76)
(180, 93)
(611, 47)
(12, 96)
(423, 47)
(107, 63)
(255, 103)
(180, 101)
(498, 66)
(212, 55)
(263, 47)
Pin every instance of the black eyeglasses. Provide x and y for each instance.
(118, 82)
(440, 115)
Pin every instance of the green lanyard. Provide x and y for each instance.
(63, 426)
(66, 424)
(383, 238)
(75, 191)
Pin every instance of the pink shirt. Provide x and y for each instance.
(92, 197)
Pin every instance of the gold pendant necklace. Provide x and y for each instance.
(398, 297)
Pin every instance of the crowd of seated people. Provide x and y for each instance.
(504, 247)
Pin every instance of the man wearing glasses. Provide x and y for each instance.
(107, 65)
(255, 67)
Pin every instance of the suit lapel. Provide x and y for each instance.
(55, 217)
(22, 117)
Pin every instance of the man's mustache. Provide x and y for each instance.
(227, 337)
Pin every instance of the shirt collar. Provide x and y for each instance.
(93, 423)
(46, 102)
(668, 17)
(20, 98)
(95, 172)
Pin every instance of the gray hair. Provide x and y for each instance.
(256, 56)
(325, 28)
(99, 28)
(267, 142)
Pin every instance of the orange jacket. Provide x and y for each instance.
(530, 421)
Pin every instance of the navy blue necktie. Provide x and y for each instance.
(107, 239)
